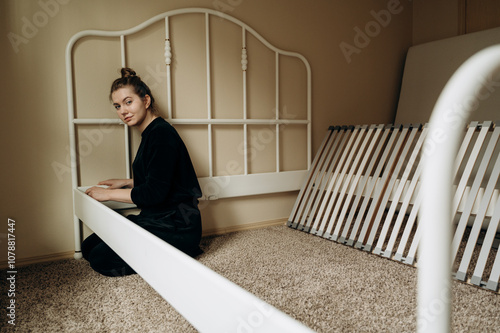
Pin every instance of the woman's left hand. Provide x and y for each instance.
(98, 193)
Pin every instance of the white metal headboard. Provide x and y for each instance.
(234, 185)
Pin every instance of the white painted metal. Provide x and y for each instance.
(435, 246)
(209, 121)
(252, 184)
(210, 302)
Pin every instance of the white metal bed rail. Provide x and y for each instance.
(207, 300)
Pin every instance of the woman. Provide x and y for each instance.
(165, 186)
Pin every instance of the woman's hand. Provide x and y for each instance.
(98, 193)
(117, 183)
(110, 194)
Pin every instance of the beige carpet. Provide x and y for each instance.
(327, 286)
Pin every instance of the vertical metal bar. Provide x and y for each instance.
(168, 61)
(126, 130)
(277, 96)
(244, 64)
(209, 94)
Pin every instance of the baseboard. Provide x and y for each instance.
(39, 259)
(208, 232)
(247, 226)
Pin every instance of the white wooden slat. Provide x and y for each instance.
(471, 198)
(410, 258)
(372, 188)
(410, 223)
(332, 180)
(372, 135)
(494, 278)
(321, 187)
(488, 240)
(387, 194)
(364, 182)
(346, 183)
(409, 194)
(305, 191)
(379, 191)
(318, 190)
(315, 177)
(470, 165)
(339, 178)
(476, 228)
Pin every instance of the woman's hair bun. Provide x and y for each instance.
(127, 72)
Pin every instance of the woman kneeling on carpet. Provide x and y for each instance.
(164, 187)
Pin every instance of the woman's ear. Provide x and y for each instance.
(147, 101)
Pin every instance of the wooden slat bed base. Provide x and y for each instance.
(363, 190)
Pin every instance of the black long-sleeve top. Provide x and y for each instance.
(164, 176)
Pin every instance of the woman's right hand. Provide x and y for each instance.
(117, 183)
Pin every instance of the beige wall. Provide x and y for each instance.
(434, 20)
(356, 51)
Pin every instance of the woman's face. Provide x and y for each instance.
(131, 108)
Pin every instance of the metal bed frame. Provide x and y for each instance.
(211, 303)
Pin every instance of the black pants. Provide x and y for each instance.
(184, 234)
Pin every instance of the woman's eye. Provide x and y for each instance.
(128, 102)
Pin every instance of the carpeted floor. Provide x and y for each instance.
(327, 286)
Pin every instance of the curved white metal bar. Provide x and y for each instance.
(459, 98)
(122, 34)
